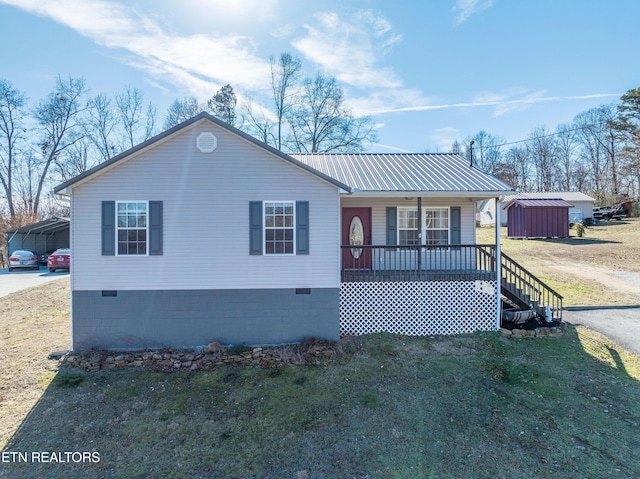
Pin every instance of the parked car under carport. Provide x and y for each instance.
(59, 259)
(23, 259)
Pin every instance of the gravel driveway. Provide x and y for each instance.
(17, 280)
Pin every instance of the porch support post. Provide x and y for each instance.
(419, 236)
(498, 265)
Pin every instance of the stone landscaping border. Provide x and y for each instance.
(212, 356)
(546, 332)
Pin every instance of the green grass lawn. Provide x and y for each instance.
(478, 406)
(471, 406)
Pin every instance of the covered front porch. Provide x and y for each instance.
(428, 289)
(367, 263)
(419, 290)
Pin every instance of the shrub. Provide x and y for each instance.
(580, 229)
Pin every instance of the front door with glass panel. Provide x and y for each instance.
(356, 232)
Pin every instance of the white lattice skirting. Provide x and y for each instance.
(417, 308)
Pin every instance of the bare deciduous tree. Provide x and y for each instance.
(591, 137)
(12, 103)
(181, 110)
(100, 125)
(74, 160)
(58, 118)
(136, 124)
(542, 151)
(518, 160)
(258, 124)
(285, 73)
(566, 156)
(486, 150)
(321, 123)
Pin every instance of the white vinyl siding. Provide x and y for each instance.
(379, 219)
(206, 200)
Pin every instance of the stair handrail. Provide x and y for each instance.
(533, 283)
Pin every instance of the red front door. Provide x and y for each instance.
(356, 231)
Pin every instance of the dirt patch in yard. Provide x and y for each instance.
(600, 269)
(624, 282)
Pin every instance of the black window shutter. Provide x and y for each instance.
(456, 235)
(302, 227)
(108, 228)
(392, 225)
(255, 227)
(155, 227)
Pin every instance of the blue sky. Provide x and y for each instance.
(428, 72)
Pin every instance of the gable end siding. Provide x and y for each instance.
(205, 215)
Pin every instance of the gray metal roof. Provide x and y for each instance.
(400, 172)
(570, 196)
(539, 203)
(50, 225)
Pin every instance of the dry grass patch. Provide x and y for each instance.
(33, 323)
(602, 268)
(480, 406)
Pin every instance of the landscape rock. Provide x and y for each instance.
(214, 348)
(212, 356)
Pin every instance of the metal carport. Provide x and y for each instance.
(40, 237)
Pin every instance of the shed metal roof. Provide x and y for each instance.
(571, 196)
(539, 203)
(404, 172)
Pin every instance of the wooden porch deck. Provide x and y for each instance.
(367, 275)
(368, 263)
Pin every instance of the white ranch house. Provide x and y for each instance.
(204, 233)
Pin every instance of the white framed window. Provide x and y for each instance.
(279, 227)
(436, 225)
(132, 228)
(408, 233)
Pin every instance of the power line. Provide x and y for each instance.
(543, 136)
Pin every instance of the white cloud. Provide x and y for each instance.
(283, 31)
(197, 63)
(500, 103)
(385, 100)
(463, 9)
(444, 138)
(390, 147)
(350, 49)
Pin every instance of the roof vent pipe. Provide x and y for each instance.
(471, 153)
